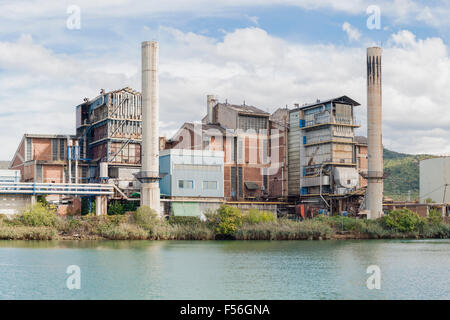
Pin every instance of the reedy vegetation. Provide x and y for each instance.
(40, 222)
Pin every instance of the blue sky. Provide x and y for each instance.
(267, 52)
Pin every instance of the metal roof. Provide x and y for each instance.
(49, 136)
(126, 89)
(361, 140)
(341, 99)
(206, 127)
(245, 109)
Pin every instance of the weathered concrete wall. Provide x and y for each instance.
(434, 176)
(264, 207)
(13, 204)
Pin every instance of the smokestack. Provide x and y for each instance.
(374, 134)
(210, 105)
(149, 177)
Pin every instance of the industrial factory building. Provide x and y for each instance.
(306, 158)
(252, 142)
(321, 162)
(108, 136)
(43, 158)
(323, 165)
(109, 131)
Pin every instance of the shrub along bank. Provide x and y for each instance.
(40, 222)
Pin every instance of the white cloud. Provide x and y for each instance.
(253, 19)
(352, 32)
(28, 14)
(41, 87)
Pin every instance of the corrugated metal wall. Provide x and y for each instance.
(203, 168)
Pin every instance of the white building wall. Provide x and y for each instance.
(434, 176)
(9, 175)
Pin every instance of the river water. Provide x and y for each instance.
(409, 269)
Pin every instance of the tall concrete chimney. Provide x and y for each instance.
(374, 134)
(210, 105)
(149, 176)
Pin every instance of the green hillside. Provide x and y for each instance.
(403, 174)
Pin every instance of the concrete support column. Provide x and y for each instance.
(101, 205)
(150, 196)
(33, 200)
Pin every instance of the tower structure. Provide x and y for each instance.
(149, 176)
(374, 134)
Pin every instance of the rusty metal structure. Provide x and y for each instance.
(323, 169)
(109, 132)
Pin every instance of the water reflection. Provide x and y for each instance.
(411, 269)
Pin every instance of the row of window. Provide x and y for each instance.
(58, 149)
(252, 123)
(189, 184)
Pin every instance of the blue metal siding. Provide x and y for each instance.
(164, 169)
(199, 167)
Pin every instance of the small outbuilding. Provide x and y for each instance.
(191, 173)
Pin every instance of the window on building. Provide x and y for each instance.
(265, 180)
(206, 142)
(240, 151)
(39, 173)
(185, 184)
(210, 185)
(62, 149)
(232, 149)
(55, 149)
(29, 146)
(264, 151)
(240, 176)
(233, 182)
(252, 123)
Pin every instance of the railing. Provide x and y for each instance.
(56, 188)
(325, 121)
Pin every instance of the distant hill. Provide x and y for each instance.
(388, 154)
(403, 174)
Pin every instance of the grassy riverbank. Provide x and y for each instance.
(41, 223)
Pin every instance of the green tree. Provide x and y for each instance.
(229, 218)
(39, 215)
(146, 217)
(403, 220)
(115, 207)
